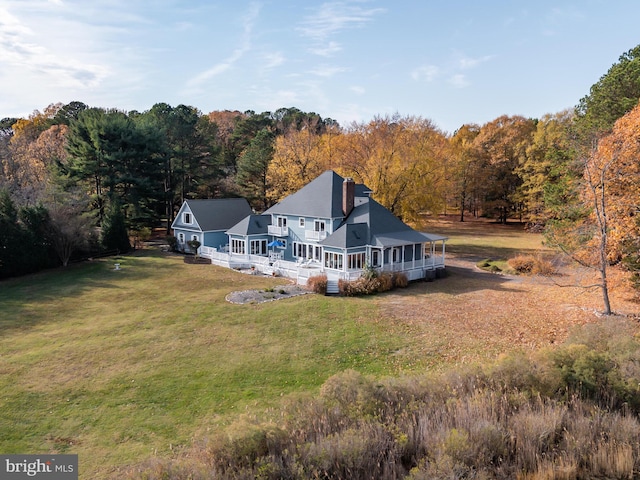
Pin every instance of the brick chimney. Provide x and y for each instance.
(348, 195)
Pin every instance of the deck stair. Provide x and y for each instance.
(332, 287)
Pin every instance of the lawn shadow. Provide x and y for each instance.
(461, 277)
(22, 298)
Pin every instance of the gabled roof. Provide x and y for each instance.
(216, 214)
(251, 225)
(320, 198)
(378, 226)
(348, 235)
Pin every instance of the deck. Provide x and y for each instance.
(302, 271)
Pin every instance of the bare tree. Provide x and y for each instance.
(68, 226)
(583, 234)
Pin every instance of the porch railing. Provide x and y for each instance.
(303, 271)
(314, 235)
(277, 231)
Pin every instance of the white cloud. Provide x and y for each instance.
(466, 63)
(327, 50)
(459, 81)
(21, 48)
(273, 60)
(245, 45)
(358, 90)
(330, 19)
(327, 70)
(426, 72)
(452, 71)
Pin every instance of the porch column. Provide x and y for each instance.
(413, 262)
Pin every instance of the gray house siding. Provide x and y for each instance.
(208, 219)
(217, 239)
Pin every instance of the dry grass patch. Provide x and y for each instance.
(472, 316)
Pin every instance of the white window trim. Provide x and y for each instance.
(238, 246)
(301, 222)
(189, 216)
(334, 260)
(258, 246)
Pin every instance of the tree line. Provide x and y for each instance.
(79, 179)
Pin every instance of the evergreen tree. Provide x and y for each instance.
(253, 167)
(11, 238)
(114, 229)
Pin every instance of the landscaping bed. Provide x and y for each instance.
(266, 294)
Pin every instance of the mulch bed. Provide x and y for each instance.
(196, 261)
(266, 295)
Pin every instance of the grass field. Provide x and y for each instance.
(122, 365)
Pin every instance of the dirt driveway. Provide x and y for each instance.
(472, 315)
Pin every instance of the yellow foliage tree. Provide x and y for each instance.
(401, 159)
(300, 156)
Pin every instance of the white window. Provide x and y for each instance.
(181, 237)
(237, 246)
(194, 237)
(258, 247)
(282, 221)
(318, 225)
(356, 261)
(333, 260)
(302, 250)
(375, 258)
(301, 222)
(186, 218)
(299, 250)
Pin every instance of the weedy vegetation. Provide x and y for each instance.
(147, 372)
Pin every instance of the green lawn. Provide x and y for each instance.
(482, 238)
(118, 366)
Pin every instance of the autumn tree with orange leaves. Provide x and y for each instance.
(604, 228)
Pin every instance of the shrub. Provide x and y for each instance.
(370, 285)
(369, 272)
(529, 264)
(353, 288)
(544, 267)
(522, 263)
(194, 245)
(318, 284)
(385, 282)
(172, 242)
(400, 280)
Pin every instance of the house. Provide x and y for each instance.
(330, 226)
(207, 221)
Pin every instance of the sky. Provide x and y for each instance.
(450, 61)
